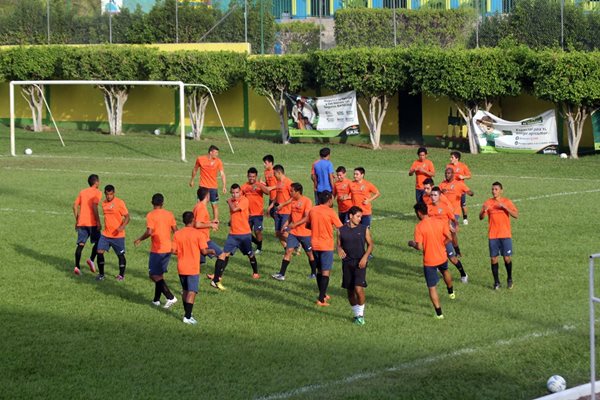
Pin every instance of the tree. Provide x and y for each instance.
(273, 77)
(570, 80)
(298, 37)
(220, 71)
(472, 79)
(375, 74)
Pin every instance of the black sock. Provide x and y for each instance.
(157, 290)
(323, 291)
(259, 245)
(254, 240)
(284, 265)
(495, 273)
(220, 269)
(465, 216)
(450, 290)
(319, 278)
(122, 264)
(438, 310)
(457, 249)
(101, 263)
(508, 270)
(94, 251)
(78, 251)
(254, 264)
(460, 269)
(313, 266)
(187, 308)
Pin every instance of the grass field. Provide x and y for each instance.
(71, 337)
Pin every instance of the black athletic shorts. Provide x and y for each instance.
(352, 275)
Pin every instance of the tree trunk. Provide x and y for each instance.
(33, 96)
(280, 109)
(467, 113)
(575, 116)
(197, 103)
(115, 98)
(377, 109)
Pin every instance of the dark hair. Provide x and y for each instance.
(109, 188)
(201, 193)
(279, 168)
(158, 199)
(341, 169)
(213, 147)
(420, 207)
(325, 196)
(497, 184)
(436, 189)
(360, 169)
(269, 158)
(235, 186)
(456, 154)
(422, 150)
(252, 170)
(354, 209)
(93, 178)
(187, 217)
(297, 187)
(324, 152)
(428, 181)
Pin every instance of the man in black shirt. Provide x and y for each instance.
(354, 246)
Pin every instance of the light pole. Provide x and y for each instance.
(48, 19)
(246, 21)
(477, 24)
(262, 29)
(320, 26)
(562, 24)
(176, 21)
(394, 16)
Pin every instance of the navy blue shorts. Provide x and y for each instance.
(500, 247)
(85, 232)
(272, 210)
(419, 195)
(450, 252)
(431, 274)
(343, 216)
(366, 220)
(256, 223)
(118, 244)
(352, 275)
(213, 195)
(294, 241)
(242, 242)
(158, 263)
(280, 220)
(215, 247)
(463, 200)
(324, 259)
(190, 283)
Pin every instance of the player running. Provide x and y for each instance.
(455, 191)
(87, 222)
(116, 218)
(254, 191)
(422, 168)
(461, 173)
(210, 167)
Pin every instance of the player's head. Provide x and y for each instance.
(93, 179)
(355, 215)
(268, 160)
(435, 194)
(187, 218)
(497, 189)
(454, 156)
(213, 151)
(296, 190)
(420, 210)
(236, 191)
(252, 174)
(109, 192)
(428, 185)
(422, 153)
(158, 199)
(324, 152)
(449, 174)
(278, 171)
(202, 193)
(340, 172)
(326, 197)
(359, 173)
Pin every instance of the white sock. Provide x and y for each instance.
(356, 310)
(361, 310)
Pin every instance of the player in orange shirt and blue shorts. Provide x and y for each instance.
(363, 193)
(455, 191)
(422, 168)
(499, 209)
(342, 193)
(283, 199)
(254, 191)
(116, 218)
(461, 173)
(160, 224)
(210, 167)
(87, 222)
(270, 181)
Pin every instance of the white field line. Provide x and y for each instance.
(56, 213)
(415, 364)
(113, 173)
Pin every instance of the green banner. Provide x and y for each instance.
(596, 129)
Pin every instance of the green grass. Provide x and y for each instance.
(66, 336)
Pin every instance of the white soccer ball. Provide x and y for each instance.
(28, 151)
(556, 383)
(564, 155)
(157, 132)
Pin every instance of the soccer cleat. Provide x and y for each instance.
(170, 303)
(359, 321)
(210, 276)
(257, 251)
(278, 277)
(189, 321)
(327, 297)
(255, 276)
(465, 221)
(312, 276)
(100, 277)
(120, 277)
(439, 316)
(217, 285)
(156, 303)
(509, 284)
(322, 303)
(92, 266)
(76, 271)
(497, 286)
(464, 279)
(452, 296)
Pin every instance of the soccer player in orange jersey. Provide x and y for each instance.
(363, 193)
(116, 218)
(283, 199)
(431, 236)
(321, 221)
(461, 173)
(240, 236)
(499, 209)
(298, 233)
(455, 191)
(422, 168)
(254, 191)
(160, 224)
(341, 191)
(87, 222)
(188, 245)
(270, 181)
(210, 167)
(428, 185)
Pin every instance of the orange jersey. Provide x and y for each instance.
(453, 191)
(201, 215)
(443, 199)
(254, 194)
(238, 225)
(441, 211)
(162, 223)
(114, 212)
(322, 219)
(283, 192)
(432, 234)
(87, 200)
(427, 165)
(209, 169)
(187, 243)
(270, 180)
(360, 192)
(299, 209)
(499, 219)
(459, 169)
(341, 189)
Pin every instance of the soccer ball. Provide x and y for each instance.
(556, 383)
(564, 155)
(157, 132)
(28, 151)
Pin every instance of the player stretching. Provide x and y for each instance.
(499, 209)
(210, 166)
(363, 193)
(240, 236)
(431, 236)
(298, 233)
(461, 173)
(254, 192)
(455, 191)
(322, 174)
(160, 223)
(116, 218)
(341, 191)
(87, 222)
(353, 237)
(422, 168)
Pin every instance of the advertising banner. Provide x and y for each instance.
(596, 129)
